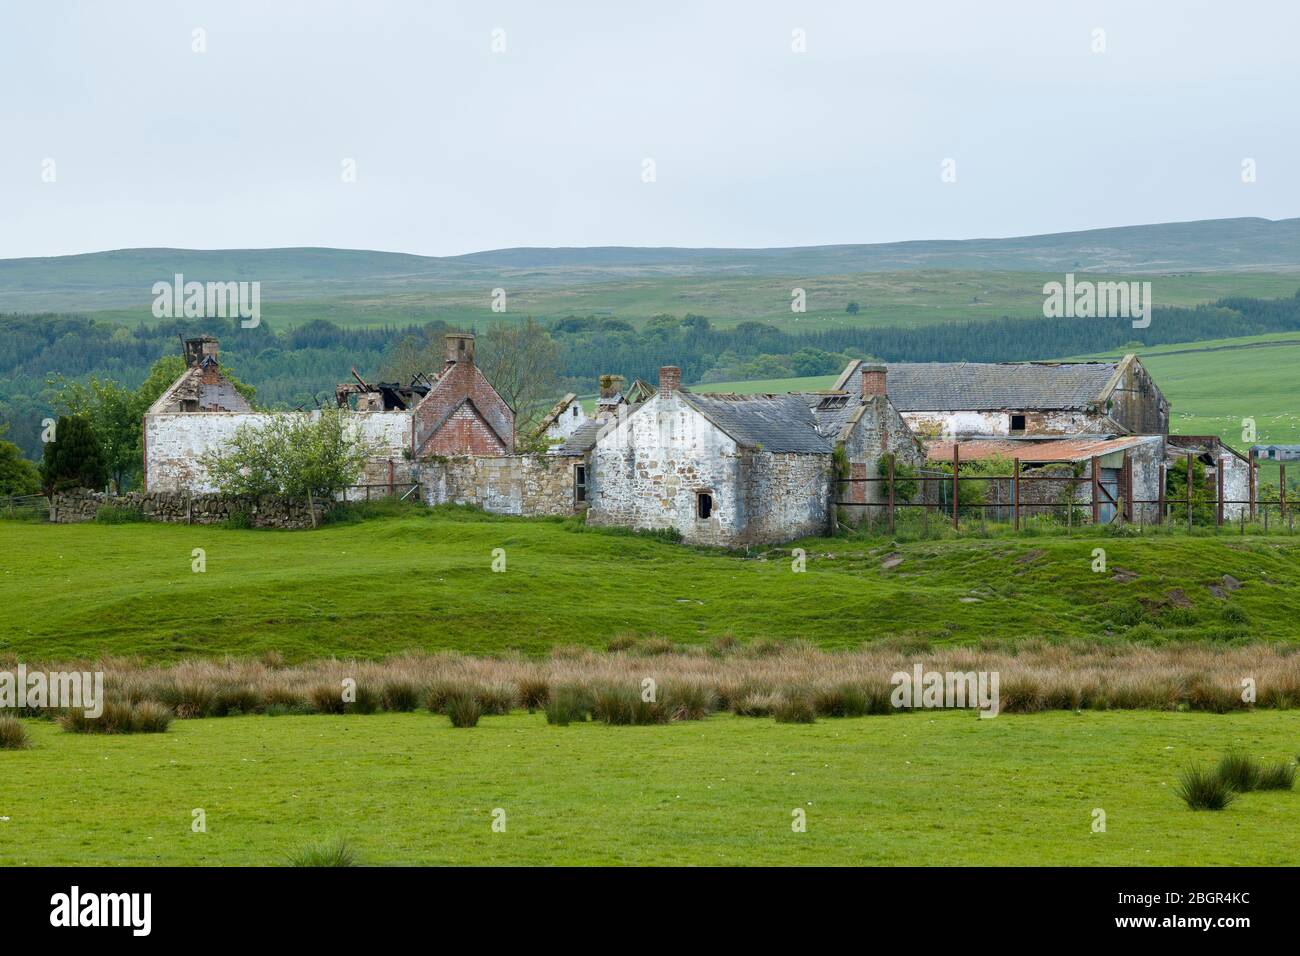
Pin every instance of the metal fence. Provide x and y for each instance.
(1108, 499)
(25, 506)
(402, 490)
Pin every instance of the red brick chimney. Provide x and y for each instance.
(670, 379)
(873, 381)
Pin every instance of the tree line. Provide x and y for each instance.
(54, 364)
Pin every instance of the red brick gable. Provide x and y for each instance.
(463, 415)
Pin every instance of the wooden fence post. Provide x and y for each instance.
(956, 463)
(1015, 493)
(1189, 492)
(1281, 489)
(1128, 487)
(1162, 492)
(1252, 485)
(891, 493)
(1096, 490)
(1219, 476)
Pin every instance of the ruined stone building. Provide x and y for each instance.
(1033, 398)
(738, 469)
(1212, 452)
(453, 412)
(729, 470)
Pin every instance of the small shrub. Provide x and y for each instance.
(238, 521)
(337, 853)
(1233, 614)
(463, 710)
(567, 704)
(1278, 776)
(13, 735)
(111, 514)
(1202, 790)
(400, 696)
(1239, 772)
(795, 708)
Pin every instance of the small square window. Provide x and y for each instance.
(703, 505)
(1017, 423)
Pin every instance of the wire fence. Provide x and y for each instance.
(25, 506)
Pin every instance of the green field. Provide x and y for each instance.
(918, 789)
(424, 581)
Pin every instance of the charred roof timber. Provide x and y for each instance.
(381, 396)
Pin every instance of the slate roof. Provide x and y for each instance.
(785, 424)
(971, 386)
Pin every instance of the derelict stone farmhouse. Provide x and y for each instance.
(721, 469)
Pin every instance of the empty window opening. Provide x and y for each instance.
(575, 411)
(703, 505)
(1017, 423)
(580, 482)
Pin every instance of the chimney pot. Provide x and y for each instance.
(873, 381)
(670, 379)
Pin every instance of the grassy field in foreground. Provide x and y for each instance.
(424, 580)
(924, 788)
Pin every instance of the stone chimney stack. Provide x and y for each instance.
(201, 347)
(873, 381)
(610, 385)
(670, 380)
(460, 348)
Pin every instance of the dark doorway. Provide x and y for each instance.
(703, 505)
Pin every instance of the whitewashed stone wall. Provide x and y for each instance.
(174, 443)
(567, 423)
(937, 424)
(649, 470)
(650, 467)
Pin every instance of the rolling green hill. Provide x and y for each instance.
(910, 283)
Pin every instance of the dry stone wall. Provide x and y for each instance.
(178, 507)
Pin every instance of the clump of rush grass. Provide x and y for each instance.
(13, 735)
(400, 696)
(118, 717)
(1239, 772)
(1202, 790)
(365, 700)
(463, 710)
(327, 698)
(1278, 776)
(337, 853)
(569, 703)
(687, 700)
(625, 704)
(842, 700)
(534, 692)
(795, 707)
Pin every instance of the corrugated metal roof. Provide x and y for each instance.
(971, 386)
(1076, 448)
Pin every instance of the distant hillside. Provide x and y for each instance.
(121, 279)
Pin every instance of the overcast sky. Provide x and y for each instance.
(458, 148)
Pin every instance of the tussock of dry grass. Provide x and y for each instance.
(755, 680)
